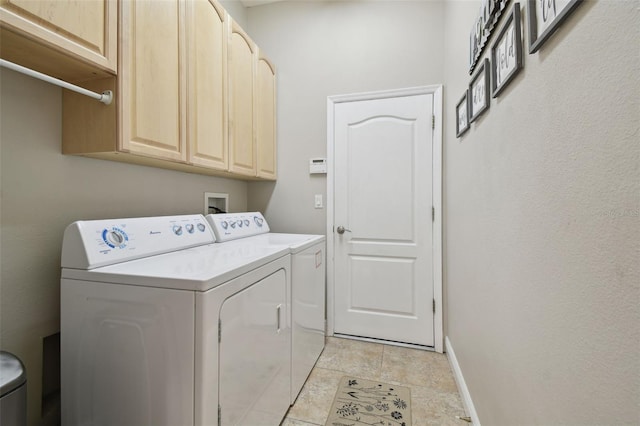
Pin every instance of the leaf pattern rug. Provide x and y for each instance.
(363, 402)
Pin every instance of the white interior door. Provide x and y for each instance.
(383, 261)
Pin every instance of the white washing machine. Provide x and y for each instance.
(159, 326)
(307, 284)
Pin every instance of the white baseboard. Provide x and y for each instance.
(469, 408)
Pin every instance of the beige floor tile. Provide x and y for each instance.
(434, 396)
(315, 399)
(361, 359)
(417, 367)
(431, 407)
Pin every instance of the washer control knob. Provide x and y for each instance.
(258, 221)
(190, 228)
(240, 223)
(233, 224)
(201, 227)
(115, 238)
(177, 229)
(246, 222)
(224, 224)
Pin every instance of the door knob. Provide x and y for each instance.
(341, 229)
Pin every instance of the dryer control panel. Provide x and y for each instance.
(93, 243)
(231, 226)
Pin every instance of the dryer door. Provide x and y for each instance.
(255, 354)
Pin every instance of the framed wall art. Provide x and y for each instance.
(479, 92)
(506, 52)
(483, 26)
(462, 114)
(545, 17)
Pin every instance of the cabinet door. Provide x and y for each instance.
(207, 41)
(85, 30)
(152, 79)
(241, 51)
(265, 118)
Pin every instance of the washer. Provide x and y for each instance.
(307, 284)
(160, 326)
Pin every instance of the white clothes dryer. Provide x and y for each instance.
(159, 326)
(308, 294)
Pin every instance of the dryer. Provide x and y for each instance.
(308, 295)
(160, 326)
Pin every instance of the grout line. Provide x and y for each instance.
(306, 422)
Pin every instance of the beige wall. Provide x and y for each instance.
(237, 11)
(331, 48)
(541, 195)
(43, 191)
(542, 225)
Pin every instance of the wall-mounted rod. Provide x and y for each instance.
(106, 97)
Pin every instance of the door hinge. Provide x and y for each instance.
(433, 121)
(434, 306)
(219, 330)
(433, 214)
(219, 415)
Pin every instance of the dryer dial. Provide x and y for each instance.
(115, 237)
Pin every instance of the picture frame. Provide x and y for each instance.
(483, 28)
(462, 114)
(479, 95)
(506, 52)
(545, 17)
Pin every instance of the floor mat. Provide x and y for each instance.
(364, 402)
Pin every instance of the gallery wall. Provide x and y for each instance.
(542, 201)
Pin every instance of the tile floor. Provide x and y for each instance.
(434, 396)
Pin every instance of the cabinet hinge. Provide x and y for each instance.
(434, 306)
(219, 330)
(219, 415)
(433, 121)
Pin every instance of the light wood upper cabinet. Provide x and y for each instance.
(153, 79)
(74, 40)
(241, 62)
(265, 122)
(191, 94)
(207, 95)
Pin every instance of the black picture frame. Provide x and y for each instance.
(479, 92)
(547, 13)
(506, 52)
(462, 116)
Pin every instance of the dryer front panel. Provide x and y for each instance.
(255, 354)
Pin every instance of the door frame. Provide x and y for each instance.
(436, 91)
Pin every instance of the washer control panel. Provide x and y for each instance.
(231, 226)
(93, 243)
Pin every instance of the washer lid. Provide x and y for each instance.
(198, 268)
(12, 373)
(295, 242)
